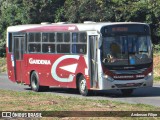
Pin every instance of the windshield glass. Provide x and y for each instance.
(127, 50)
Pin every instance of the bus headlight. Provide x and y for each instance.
(108, 78)
(149, 76)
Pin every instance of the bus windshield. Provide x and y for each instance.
(127, 50)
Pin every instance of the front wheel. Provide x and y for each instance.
(82, 86)
(127, 92)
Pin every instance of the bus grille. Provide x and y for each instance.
(128, 85)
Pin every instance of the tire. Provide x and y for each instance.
(127, 92)
(82, 86)
(35, 86)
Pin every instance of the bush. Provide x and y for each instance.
(156, 48)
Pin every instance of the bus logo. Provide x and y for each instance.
(36, 61)
(70, 68)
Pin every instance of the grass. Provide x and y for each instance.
(32, 101)
(3, 66)
(156, 64)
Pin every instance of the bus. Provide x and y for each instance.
(84, 56)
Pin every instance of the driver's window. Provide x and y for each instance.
(142, 44)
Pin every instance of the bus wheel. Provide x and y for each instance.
(82, 86)
(127, 92)
(35, 82)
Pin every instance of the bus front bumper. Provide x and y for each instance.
(110, 83)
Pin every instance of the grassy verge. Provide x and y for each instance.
(31, 101)
(3, 66)
(156, 61)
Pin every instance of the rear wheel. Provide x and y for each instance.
(83, 86)
(127, 92)
(35, 83)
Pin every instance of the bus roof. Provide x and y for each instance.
(86, 26)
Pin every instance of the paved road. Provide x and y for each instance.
(150, 95)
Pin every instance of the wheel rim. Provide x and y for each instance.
(83, 85)
(34, 82)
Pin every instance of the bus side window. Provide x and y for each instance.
(83, 37)
(34, 37)
(74, 40)
(51, 37)
(63, 48)
(10, 42)
(44, 37)
(59, 37)
(74, 37)
(34, 48)
(34, 42)
(48, 48)
(37, 37)
(79, 48)
(66, 37)
(31, 37)
(79, 41)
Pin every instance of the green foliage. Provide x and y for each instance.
(157, 49)
(94, 10)
(15, 12)
(3, 66)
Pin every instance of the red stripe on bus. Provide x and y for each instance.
(52, 28)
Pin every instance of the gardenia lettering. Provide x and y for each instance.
(36, 61)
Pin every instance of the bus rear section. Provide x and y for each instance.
(126, 57)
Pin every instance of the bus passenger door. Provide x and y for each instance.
(93, 42)
(19, 43)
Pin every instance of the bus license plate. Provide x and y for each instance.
(130, 84)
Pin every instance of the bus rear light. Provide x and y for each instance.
(87, 77)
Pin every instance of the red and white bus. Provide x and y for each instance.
(87, 56)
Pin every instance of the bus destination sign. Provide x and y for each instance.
(126, 29)
(119, 29)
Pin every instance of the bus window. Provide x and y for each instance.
(79, 48)
(74, 37)
(48, 48)
(83, 37)
(10, 42)
(51, 37)
(78, 43)
(34, 37)
(66, 37)
(63, 48)
(31, 37)
(37, 37)
(59, 37)
(34, 48)
(44, 37)
(143, 44)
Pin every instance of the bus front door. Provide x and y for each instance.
(93, 60)
(19, 42)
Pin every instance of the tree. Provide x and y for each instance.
(14, 12)
(154, 19)
(84, 10)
